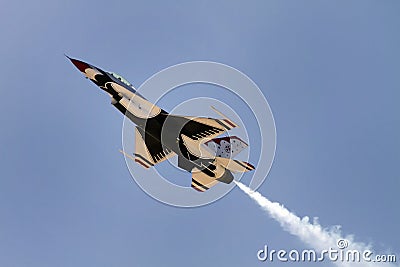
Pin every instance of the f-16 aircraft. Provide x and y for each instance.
(160, 135)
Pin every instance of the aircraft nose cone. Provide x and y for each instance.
(82, 66)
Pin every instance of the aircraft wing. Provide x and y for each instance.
(199, 128)
(148, 150)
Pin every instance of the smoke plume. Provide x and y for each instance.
(312, 233)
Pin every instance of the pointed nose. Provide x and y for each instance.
(82, 66)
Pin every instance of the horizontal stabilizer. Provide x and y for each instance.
(201, 181)
(204, 179)
(235, 165)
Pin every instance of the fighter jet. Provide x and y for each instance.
(160, 135)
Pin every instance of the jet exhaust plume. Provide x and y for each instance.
(313, 234)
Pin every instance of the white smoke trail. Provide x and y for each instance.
(311, 233)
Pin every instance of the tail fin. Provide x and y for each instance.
(226, 147)
(234, 165)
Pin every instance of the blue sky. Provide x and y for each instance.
(329, 70)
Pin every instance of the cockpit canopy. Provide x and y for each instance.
(122, 79)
